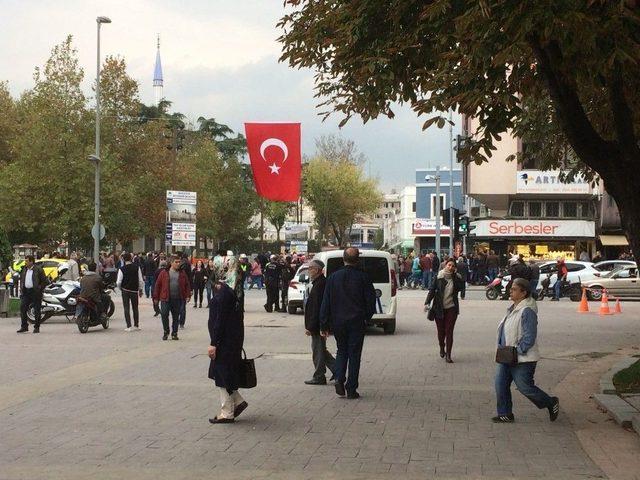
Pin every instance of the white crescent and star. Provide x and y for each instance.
(274, 142)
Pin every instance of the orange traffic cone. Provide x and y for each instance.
(604, 305)
(584, 305)
(618, 308)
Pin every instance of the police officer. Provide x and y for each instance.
(271, 273)
(348, 304)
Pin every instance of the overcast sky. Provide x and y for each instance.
(219, 60)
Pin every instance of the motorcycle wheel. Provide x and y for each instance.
(111, 309)
(83, 324)
(491, 294)
(31, 316)
(540, 296)
(105, 323)
(575, 294)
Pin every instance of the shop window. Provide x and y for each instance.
(413, 207)
(552, 209)
(517, 209)
(535, 209)
(585, 210)
(569, 209)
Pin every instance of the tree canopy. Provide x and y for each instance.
(564, 76)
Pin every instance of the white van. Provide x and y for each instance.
(379, 267)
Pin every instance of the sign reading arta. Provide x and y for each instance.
(538, 181)
(534, 228)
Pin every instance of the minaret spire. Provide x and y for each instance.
(158, 81)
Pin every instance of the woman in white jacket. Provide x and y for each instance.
(519, 328)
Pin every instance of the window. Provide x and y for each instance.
(574, 267)
(570, 209)
(433, 204)
(535, 209)
(517, 209)
(413, 207)
(376, 267)
(552, 209)
(586, 210)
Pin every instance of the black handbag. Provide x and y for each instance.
(247, 372)
(507, 355)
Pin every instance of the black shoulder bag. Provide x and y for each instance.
(507, 355)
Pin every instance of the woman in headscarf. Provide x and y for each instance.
(226, 331)
(443, 292)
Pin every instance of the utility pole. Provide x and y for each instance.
(438, 208)
(451, 217)
(96, 158)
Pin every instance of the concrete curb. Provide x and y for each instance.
(622, 412)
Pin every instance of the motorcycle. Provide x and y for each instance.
(60, 299)
(496, 288)
(90, 317)
(571, 290)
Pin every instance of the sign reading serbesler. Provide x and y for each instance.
(534, 228)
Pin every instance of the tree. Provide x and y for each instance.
(338, 192)
(6, 252)
(339, 149)
(562, 74)
(276, 213)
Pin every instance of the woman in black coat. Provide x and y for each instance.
(198, 281)
(443, 292)
(226, 330)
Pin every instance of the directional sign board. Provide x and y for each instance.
(181, 218)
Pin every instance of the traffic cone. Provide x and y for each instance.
(604, 304)
(618, 308)
(584, 305)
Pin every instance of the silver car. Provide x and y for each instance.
(623, 282)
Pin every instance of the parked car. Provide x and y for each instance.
(609, 265)
(623, 282)
(379, 266)
(49, 265)
(577, 272)
(297, 289)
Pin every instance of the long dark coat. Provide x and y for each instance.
(226, 330)
(312, 307)
(436, 294)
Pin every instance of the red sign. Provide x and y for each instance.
(274, 151)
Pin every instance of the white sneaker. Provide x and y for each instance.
(137, 328)
(128, 329)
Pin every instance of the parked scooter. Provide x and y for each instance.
(496, 288)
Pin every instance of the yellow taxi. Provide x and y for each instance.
(49, 265)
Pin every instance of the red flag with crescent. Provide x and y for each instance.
(274, 151)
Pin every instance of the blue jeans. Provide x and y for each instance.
(149, 282)
(350, 340)
(493, 273)
(255, 279)
(522, 375)
(534, 286)
(183, 312)
(557, 287)
(426, 279)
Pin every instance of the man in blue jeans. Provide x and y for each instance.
(348, 303)
(425, 264)
(561, 277)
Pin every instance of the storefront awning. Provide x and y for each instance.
(403, 244)
(614, 240)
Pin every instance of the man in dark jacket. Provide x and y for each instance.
(271, 273)
(91, 287)
(149, 268)
(185, 266)
(321, 356)
(33, 281)
(348, 304)
(130, 283)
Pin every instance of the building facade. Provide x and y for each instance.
(528, 211)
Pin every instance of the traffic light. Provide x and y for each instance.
(446, 217)
(464, 225)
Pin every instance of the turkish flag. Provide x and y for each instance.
(274, 151)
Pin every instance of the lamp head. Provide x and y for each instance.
(103, 20)
(93, 159)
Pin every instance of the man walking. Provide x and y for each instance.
(348, 304)
(172, 290)
(130, 283)
(425, 264)
(33, 281)
(321, 356)
(271, 273)
(149, 268)
(186, 267)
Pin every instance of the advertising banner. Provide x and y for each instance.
(427, 228)
(181, 218)
(299, 246)
(538, 181)
(534, 228)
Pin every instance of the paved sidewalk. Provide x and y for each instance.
(111, 404)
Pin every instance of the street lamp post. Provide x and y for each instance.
(436, 178)
(451, 216)
(96, 158)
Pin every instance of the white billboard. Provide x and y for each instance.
(538, 181)
(534, 228)
(184, 198)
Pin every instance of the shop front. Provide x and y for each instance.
(425, 232)
(534, 239)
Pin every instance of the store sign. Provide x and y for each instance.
(427, 227)
(534, 228)
(299, 246)
(538, 181)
